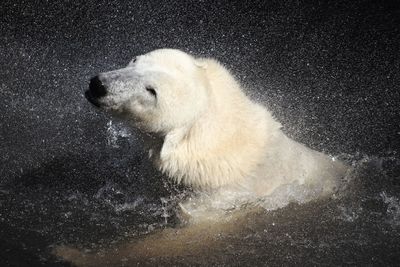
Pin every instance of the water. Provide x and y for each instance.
(72, 176)
(361, 222)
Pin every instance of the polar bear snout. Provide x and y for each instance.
(97, 88)
(96, 91)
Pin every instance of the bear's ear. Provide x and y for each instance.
(201, 63)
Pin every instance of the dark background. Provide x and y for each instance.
(328, 70)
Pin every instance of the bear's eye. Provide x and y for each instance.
(151, 90)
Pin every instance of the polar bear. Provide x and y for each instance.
(204, 132)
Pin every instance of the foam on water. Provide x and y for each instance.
(218, 205)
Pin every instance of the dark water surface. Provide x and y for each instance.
(328, 70)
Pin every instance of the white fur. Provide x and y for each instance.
(211, 136)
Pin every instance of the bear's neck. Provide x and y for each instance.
(225, 145)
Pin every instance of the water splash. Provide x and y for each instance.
(393, 209)
(114, 132)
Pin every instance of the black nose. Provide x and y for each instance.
(96, 87)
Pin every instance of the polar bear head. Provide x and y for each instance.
(159, 91)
